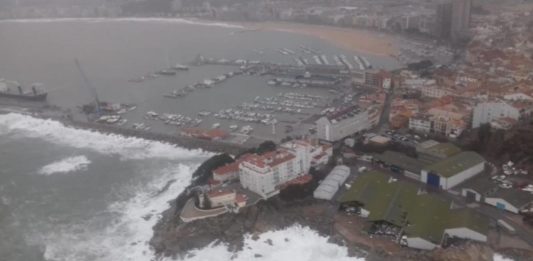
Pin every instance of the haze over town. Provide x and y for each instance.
(268, 130)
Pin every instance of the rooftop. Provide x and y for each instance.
(228, 168)
(455, 164)
(401, 160)
(270, 159)
(441, 150)
(490, 189)
(400, 203)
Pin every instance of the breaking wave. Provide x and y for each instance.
(66, 165)
(127, 19)
(107, 144)
(123, 230)
(295, 243)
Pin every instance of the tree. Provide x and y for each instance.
(266, 146)
(203, 173)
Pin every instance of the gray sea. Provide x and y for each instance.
(70, 194)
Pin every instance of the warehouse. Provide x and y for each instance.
(432, 151)
(483, 189)
(400, 163)
(424, 219)
(330, 185)
(512, 200)
(452, 171)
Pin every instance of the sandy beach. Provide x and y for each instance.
(347, 38)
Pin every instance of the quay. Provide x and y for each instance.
(178, 140)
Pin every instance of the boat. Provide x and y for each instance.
(175, 94)
(180, 67)
(233, 127)
(204, 113)
(33, 95)
(216, 125)
(166, 72)
(208, 83)
(272, 82)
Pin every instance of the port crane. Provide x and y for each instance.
(90, 87)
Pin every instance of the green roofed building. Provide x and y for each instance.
(400, 163)
(454, 170)
(432, 151)
(425, 218)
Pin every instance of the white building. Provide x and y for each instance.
(263, 174)
(518, 97)
(433, 91)
(330, 185)
(343, 123)
(486, 112)
(420, 123)
(454, 170)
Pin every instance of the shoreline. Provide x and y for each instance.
(357, 40)
(352, 39)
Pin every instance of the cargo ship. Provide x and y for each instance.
(19, 93)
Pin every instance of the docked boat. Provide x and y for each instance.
(233, 127)
(204, 113)
(175, 94)
(180, 67)
(33, 95)
(166, 72)
(216, 125)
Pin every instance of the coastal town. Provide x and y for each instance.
(410, 162)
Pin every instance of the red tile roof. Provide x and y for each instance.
(270, 159)
(227, 169)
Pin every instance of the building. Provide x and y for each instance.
(460, 23)
(431, 151)
(343, 123)
(485, 190)
(421, 123)
(486, 112)
(219, 198)
(226, 173)
(331, 184)
(454, 170)
(423, 220)
(443, 20)
(433, 91)
(400, 163)
(265, 173)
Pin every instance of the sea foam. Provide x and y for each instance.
(295, 243)
(123, 230)
(108, 144)
(70, 164)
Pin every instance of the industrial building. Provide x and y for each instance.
(431, 151)
(343, 123)
(452, 171)
(331, 184)
(487, 191)
(400, 163)
(425, 220)
(442, 165)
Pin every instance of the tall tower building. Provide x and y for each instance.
(460, 19)
(443, 20)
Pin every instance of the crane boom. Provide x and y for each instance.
(89, 86)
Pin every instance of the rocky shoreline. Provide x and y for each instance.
(174, 238)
